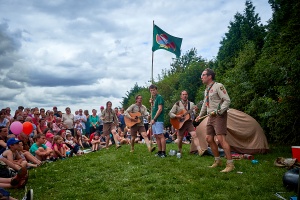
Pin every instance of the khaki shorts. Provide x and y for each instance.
(107, 128)
(217, 125)
(187, 126)
(135, 129)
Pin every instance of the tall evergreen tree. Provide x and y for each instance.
(245, 28)
(276, 75)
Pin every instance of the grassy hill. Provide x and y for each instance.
(119, 174)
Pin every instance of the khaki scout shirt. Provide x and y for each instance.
(218, 99)
(135, 108)
(178, 106)
(109, 116)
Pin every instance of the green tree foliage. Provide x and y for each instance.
(237, 80)
(130, 94)
(276, 75)
(244, 28)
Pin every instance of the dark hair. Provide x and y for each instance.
(152, 87)
(39, 135)
(137, 96)
(108, 103)
(210, 72)
(2, 127)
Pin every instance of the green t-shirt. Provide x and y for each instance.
(158, 101)
(35, 147)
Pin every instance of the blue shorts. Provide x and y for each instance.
(158, 128)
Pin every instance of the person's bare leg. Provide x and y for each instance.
(158, 142)
(132, 143)
(179, 143)
(31, 158)
(107, 138)
(197, 143)
(147, 141)
(10, 164)
(226, 147)
(214, 147)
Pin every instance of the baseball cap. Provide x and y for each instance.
(102, 107)
(49, 135)
(12, 141)
(68, 132)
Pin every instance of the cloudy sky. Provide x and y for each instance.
(83, 53)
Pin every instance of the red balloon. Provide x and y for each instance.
(27, 128)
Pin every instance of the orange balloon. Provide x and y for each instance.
(27, 128)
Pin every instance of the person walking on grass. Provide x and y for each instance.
(110, 122)
(216, 104)
(157, 120)
(138, 122)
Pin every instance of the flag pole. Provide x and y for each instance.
(151, 104)
(152, 56)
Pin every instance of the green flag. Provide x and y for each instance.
(162, 40)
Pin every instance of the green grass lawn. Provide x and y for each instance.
(119, 174)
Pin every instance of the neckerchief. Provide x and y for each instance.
(207, 95)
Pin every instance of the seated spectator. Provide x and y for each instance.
(42, 125)
(49, 140)
(78, 126)
(95, 142)
(121, 138)
(42, 113)
(31, 160)
(127, 133)
(35, 120)
(9, 116)
(82, 140)
(51, 117)
(40, 150)
(57, 126)
(70, 142)
(26, 141)
(3, 120)
(102, 139)
(3, 138)
(58, 147)
(168, 137)
(18, 180)
(12, 154)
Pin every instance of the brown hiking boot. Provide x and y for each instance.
(216, 163)
(201, 152)
(20, 179)
(229, 167)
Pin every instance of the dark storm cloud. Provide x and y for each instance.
(10, 43)
(72, 9)
(8, 95)
(54, 77)
(11, 84)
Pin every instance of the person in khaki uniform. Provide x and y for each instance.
(138, 127)
(179, 111)
(216, 104)
(110, 122)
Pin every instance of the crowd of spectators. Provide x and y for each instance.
(55, 135)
